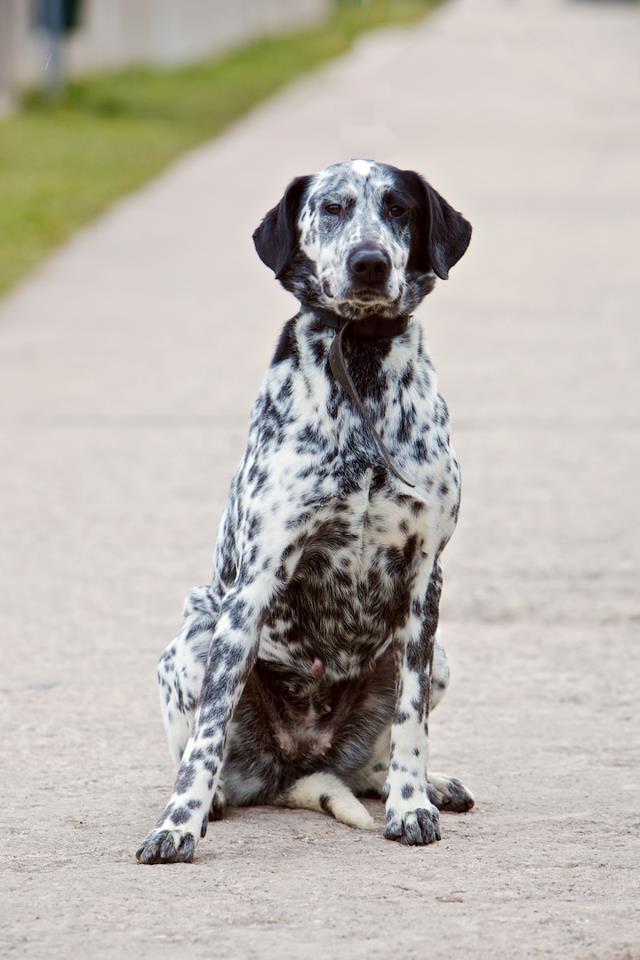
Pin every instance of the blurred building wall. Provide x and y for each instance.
(117, 32)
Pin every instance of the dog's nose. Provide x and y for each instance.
(369, 266)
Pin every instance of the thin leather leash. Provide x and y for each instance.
(373, 328)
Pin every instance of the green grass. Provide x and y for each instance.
(62, 164)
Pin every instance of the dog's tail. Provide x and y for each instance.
(328, 794)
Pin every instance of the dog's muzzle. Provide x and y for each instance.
(369, 267)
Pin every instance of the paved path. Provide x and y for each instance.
(127, 369)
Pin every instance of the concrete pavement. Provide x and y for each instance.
(128, 365)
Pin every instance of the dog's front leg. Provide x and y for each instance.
(231, 657)
(410, 815)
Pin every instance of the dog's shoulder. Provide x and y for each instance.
(287, 347)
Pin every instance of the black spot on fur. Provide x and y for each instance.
(286, 348)
(180, 815)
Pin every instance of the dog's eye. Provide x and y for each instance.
(396, 210)
(335, 209)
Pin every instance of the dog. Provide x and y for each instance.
(305, 672)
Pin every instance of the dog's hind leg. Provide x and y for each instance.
(370, 780)
(326, 793)
(440, 672)
(180, 675)
(448, 794)
(181, 668)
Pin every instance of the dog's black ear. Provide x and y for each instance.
(444, 234)
(276, 237)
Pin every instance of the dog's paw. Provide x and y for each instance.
(166, 846)
(447, 793)
(415, 827)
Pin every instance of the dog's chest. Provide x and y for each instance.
(354, 536)
(350, 583)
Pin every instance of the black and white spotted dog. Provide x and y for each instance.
(304, 674)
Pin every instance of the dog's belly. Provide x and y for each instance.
(287, 726)
(350, 586)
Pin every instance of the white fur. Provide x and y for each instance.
(306, 792)
(362, 167)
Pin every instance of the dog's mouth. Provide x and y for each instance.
(362, 302)
(367, 295)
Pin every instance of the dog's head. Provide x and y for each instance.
(361, 238)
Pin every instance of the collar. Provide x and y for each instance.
(372, 328)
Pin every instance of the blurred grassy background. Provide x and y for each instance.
(63, 163)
